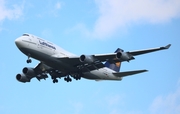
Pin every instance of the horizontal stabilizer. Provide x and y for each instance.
(127, 73)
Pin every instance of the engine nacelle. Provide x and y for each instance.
(124, 56)
(86, 59)
(22, 78)
(29, 72)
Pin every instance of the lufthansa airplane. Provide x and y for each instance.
(59, 63)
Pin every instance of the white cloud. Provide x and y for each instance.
(113, 100)
(115, 111)
(116, 15)
(121, 13)
(7, 13)
(54, 10)
(58, 5)
(114, 103)
(169, 104)
(77, 107)
(47, 33)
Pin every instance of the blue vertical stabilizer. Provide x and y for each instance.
(114, 66)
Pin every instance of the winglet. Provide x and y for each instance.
(166, 47)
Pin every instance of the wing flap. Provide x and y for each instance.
(100, 57)
(105, 57)
(86, 67)
(41, 67)
(128, 73)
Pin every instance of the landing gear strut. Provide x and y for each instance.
(29, 60)
(55, 80)
(77, 77)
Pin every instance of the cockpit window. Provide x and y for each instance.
(25, 34)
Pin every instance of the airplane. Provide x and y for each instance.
(59, 63)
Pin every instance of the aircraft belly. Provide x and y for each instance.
(95, 75)
(91, 76)
(101, 74)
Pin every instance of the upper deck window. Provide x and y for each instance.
(25, 34)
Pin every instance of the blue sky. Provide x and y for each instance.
(93, 27)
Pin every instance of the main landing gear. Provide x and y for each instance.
(55, 80)
(28, 60)
(67, 79)
(77, 77)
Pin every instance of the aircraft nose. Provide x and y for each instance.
(18, 42)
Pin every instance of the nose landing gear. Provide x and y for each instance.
(28, 60)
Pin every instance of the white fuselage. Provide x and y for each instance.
(46, 52)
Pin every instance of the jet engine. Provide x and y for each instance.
(28, 71)
(26, 76)
(22, 78)
(124, 56)
(86, 59)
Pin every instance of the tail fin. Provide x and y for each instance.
(114, 66)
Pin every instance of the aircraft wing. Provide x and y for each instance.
(139, 52)
(83, 66)
(128, 73)
(41, 70)
(41, 67)
(92, 62)
(126, 56)
(96, 57)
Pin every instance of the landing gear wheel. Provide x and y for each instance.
(78, 77)
(68, 79)
(55, 81)
(65, 79)
(29, 61)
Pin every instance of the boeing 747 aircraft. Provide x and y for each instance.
(59, 63)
